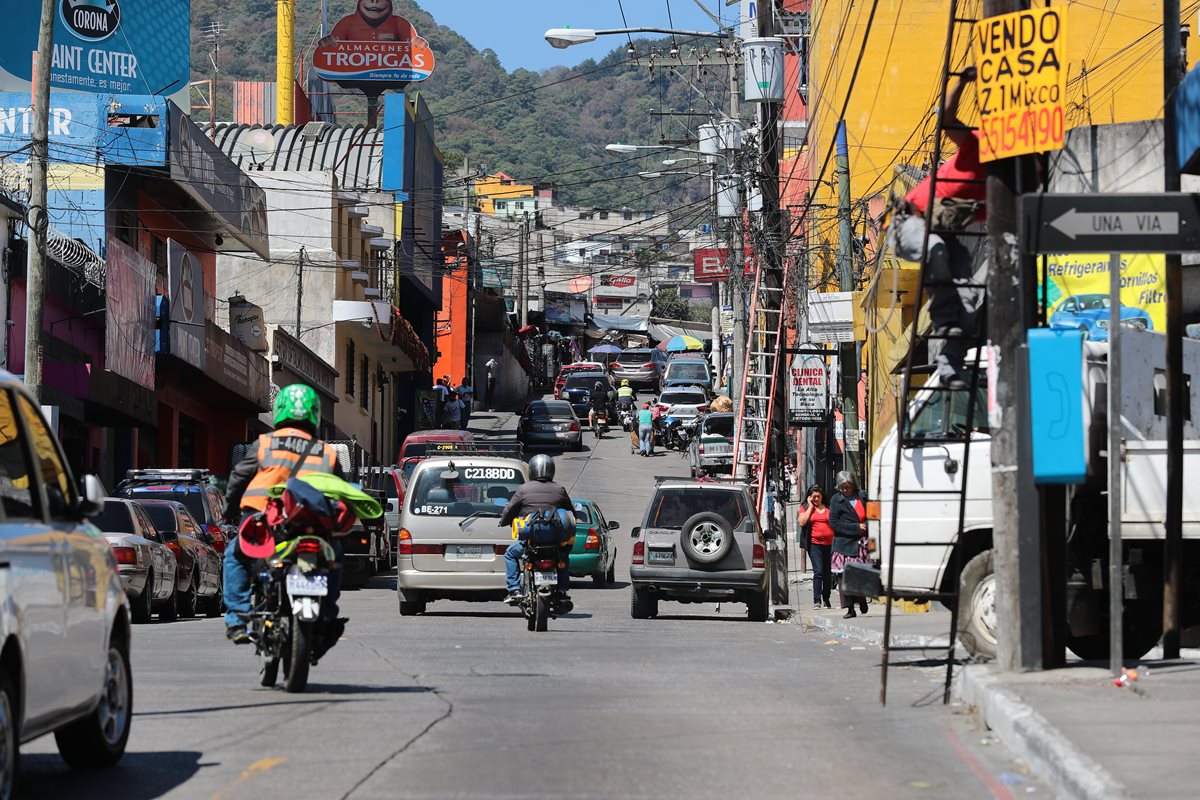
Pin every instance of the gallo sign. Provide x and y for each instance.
(808, 390)
(1022, 82)
(375, 46)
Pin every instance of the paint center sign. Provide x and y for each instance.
(1022, 81)
(808, 390)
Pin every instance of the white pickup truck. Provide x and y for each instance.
(933, 517)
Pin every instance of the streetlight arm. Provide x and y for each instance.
(698, 34)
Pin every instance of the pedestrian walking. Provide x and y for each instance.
(443, 391)
(645, 430)
(816, 537)
(466, 394)
(453, 411)
(489, 395)
(848, 519)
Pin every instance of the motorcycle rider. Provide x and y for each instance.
(599, 401)
(625, 396)
(291, 450)
(541, 493)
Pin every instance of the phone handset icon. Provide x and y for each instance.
(1057, 410)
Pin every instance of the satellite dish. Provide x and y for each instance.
(255, 146)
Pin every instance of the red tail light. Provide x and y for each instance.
(500, 549)
(702, 409)
(125, 555)
(218, 537)
(527, 425)
(406, 547)
(647, 366)
(175, 548)
(546, 563)
(639, 553)
(574, 426)
(593, 540)
(308, 546)
(760, 556)
(700, 448)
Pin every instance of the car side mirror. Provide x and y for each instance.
(92, 501)
(635, 532)
(613, 525)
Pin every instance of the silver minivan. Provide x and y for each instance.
(451, 546)
(699, 542)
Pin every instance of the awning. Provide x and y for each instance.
(662, 331)
(620, 322)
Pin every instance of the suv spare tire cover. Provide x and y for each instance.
(706, 537)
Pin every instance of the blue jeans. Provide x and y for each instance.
(646, 439)
(512, 568)
(822, 559)
(238, 582)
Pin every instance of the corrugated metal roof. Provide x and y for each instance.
(316, 146)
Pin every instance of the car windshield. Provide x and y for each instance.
(933, 421)
(583, 513)
(115, 518)
(673, 506)
(190, 496)
(551, 410)
(163, 518)
(586, 381)
(686, 398)
(466, 491)
(687, 371)
(719, 426)
(635, 357)
(1092, 302)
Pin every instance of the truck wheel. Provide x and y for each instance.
(98, 740)
(757, 607)
(642, 604)
(706, 537)
(977, 606)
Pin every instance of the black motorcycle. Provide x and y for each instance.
(626, 413)
(540, 599)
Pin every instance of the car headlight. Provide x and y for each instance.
(1101, 323)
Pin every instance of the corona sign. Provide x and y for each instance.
(373, 45)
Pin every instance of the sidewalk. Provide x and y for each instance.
(1083, 736)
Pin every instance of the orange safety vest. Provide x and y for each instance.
(278, 453)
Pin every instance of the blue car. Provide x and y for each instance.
(1090, 312)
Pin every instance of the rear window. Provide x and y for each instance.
(682, 397)
(163, 518)
(719, 426)
(687, 371)
(672, 507)
(585, 381)
(480, 489)
(115, 518)
(583, 513)
(190, 496)
(635, 357)
(550, 410)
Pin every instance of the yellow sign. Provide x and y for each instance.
(1022, 82)
(1077, 296)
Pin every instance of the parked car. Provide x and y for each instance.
(699, 542)
(688, 372)
(571, 369)
(711, 450)
(451, 546)
(578, 390)
(423, 443)
(146, 565)
(1090, 314)
(594, 554)
(188, 486)
(641, 366)
(198, 568)
(391, 480)
(64, 616)
(685, 402)
(549, 423)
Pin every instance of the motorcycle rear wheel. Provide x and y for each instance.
(270, 671)
(541, 613)
(297, 657)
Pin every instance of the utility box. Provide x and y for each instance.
(1056, 392)
(763, 65)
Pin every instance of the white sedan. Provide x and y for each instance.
(687, 402)
(146, 564)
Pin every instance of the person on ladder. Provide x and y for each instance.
(959, 192)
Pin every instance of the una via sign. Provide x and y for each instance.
(1118, 223)
(1167, 222)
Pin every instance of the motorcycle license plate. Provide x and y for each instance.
(545, 578)
(299, 584)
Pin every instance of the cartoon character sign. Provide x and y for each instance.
(373, 45)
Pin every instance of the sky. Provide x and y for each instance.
(515, 29)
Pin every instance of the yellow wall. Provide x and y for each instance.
(491, 187)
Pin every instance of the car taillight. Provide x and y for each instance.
(501, 549)
(702, 409)
(647, 366)
(308, 546)
(639, 553)
(545, 563)
(574, 426)
(174, 548)
(404, 544)
(759, 557)
(125, 555)
(700, 448)
(527, 425)
(218, 537)
(593, 540)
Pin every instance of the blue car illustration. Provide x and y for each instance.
(1090, 313)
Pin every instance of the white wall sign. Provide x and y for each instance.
(808, 390)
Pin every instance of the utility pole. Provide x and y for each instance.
(285, 37)
(847, 351)
(35, 250)
(299, 292)
(1177, 401)
(523, 283)
(734, 240)
(1016, 534)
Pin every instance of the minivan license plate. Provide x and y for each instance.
(301, 585)
(466, 552)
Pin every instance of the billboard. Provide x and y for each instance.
(711, 264)
(129, 308)
(373, 45)
(186, 278)
(617, 286)
(1077, 292)
(808, 390)
(105, 46)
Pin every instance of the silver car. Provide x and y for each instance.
(550, 423)
(699, 542)
(451, 546)
(711, 451)
(146, 564)
(64, 616)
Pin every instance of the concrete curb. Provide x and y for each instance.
(864, 634)
(1031, 737)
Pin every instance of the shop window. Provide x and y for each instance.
(350, 368)
(364, 378)
(603, 215)
(627, 214)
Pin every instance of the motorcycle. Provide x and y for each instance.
(626, 414)
(539, 587)
(600, 423)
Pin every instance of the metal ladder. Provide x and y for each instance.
(756, 399)
(906, 437)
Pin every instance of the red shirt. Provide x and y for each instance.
(353, 28)
(819, 521)
(963, 166)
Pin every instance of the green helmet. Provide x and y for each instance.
(297, 403)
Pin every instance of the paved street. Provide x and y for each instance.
(464, 702)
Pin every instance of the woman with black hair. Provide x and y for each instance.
(817, 538)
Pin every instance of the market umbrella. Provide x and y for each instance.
(605, 348)
(677, 344)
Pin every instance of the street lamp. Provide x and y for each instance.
(670, 162)
(562, 38)
(619, 149)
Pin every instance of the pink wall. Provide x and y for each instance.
(66, 324)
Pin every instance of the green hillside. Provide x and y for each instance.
(553, 125)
